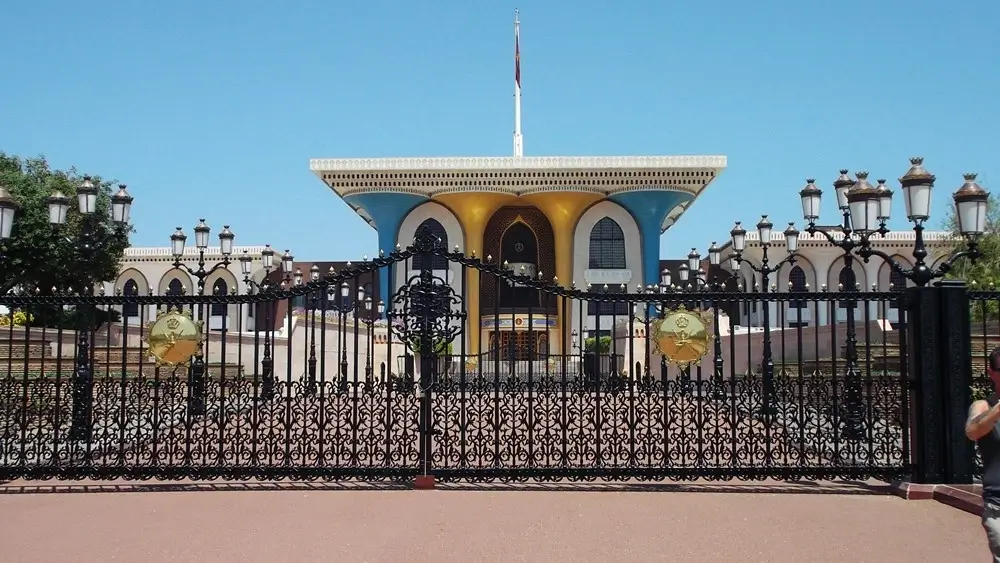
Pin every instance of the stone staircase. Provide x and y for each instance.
(37, 357)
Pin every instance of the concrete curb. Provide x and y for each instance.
(963, 497)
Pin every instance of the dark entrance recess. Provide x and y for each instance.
(505, 229)
(519, 246)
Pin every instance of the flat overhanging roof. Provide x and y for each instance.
(606, 175)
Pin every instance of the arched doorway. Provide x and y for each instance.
(434, 228)
(516, 320)
(519, 250)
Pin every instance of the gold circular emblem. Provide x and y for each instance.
(173, 338)
(682, 336)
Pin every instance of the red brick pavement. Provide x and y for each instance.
(282, 522)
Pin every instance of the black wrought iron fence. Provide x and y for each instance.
(319, 392)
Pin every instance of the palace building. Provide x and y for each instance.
(588, 220)
(584, 220)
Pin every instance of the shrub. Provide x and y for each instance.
(600, 345)
(19, 318)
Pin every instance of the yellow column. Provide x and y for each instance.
(473, 211)
(563, 210)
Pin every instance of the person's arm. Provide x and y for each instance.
(982, 418)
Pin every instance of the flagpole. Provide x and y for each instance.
(518, 140)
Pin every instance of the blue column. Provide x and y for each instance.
(387, 211)
(649, 209)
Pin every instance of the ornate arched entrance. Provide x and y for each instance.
(517, 320)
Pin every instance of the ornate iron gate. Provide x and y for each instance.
(306, 381)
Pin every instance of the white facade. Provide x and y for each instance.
(625, 253)
(455, 238)
(822, 263)
(614, 277)
(150, 271)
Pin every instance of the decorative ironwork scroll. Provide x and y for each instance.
(426, 312)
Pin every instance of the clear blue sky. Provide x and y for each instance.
(214, 108)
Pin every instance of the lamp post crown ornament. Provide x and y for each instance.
(917, 174)
(843, 179)
(811, 188)
(970, 187)
(87, 186)
(862, 186)
(122, 194)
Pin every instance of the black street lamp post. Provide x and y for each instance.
(267, 363)
(865, 210)
(83, 373)
(684, 271)
(368, 320)
(196, 371)
(856, 200)
(718, 285)
(866, 213)
(343, 309)
(314, 299)
(8, 208)
(765, 269)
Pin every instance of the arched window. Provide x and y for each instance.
(797, 279)
(607, 246)
(220, 287)
(176, 287)
(130, 308)
(435, 229)
(848, 281)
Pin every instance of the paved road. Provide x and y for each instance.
(273, 523)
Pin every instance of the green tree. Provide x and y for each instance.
(43, 256)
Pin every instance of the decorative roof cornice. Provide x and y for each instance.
(166, 251)
(890, 236)
(518, 176)
(479, 163)
(933, 239)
